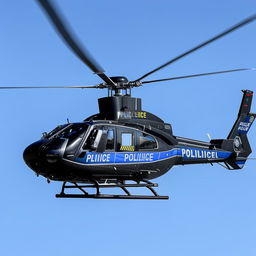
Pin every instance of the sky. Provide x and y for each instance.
(211, 211)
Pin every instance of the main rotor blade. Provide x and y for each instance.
(230, 30)
(71, 41)
(196, 75)
(53, 87)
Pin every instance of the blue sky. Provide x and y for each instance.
(211, 211)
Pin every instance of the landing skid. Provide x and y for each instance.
(117, 184)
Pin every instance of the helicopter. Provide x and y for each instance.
(123, 146)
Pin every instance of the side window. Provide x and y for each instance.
(110, 139)
(127, 141)
(146, 141)
(93, 139)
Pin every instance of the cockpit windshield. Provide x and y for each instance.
(55, 130)
(73, 131)
(68, 131)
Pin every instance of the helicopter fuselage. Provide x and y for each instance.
(103, 150)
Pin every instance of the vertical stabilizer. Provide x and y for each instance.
(239, 132)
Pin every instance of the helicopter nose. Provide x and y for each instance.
(31, 154)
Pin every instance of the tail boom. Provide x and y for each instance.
(233, 151)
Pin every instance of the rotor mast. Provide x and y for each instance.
(121, 87)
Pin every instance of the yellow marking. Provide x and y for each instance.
(127, 148)
(142, 115)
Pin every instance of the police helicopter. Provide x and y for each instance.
(123, 146)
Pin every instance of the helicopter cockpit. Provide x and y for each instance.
(87, 137)
(74, 141)
(68, 136)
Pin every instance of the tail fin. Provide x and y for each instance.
(239, 132)
(245, 118)
(237, 141)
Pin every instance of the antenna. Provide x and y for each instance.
(209, 136)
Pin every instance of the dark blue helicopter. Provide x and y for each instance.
(124, 146)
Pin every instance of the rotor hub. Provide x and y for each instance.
(121, 86)
(119, 79)
(122, 83)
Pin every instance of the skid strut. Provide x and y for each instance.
(117, 184)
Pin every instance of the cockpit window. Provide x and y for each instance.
(56, 130)
(90, 143)
(68, 131)
(110, 139)
(73, 131)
